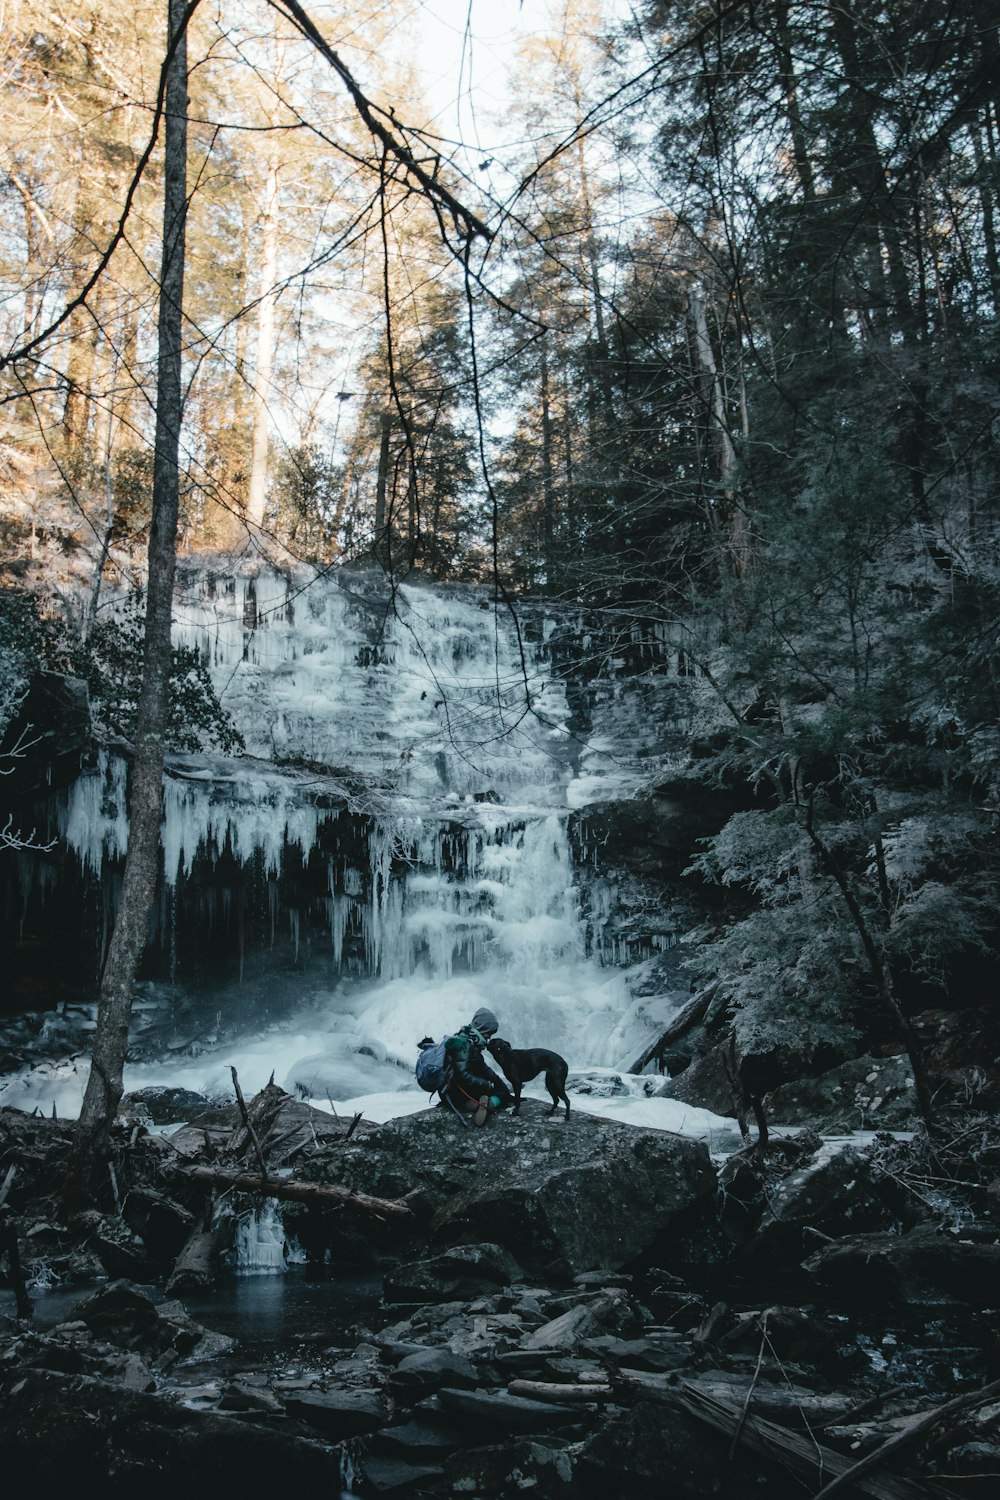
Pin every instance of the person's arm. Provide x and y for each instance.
(471, 1073)
(496, 1084)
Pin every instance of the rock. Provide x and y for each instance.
(121, 1252)
(522, 1467)
(566, 1197)
(58, 1431)
(641, 1354)
(462, 1271)
(430, 1369)
(241, 1396)
(633, 1453)
(163, 1224)
(866, 1093)
(837, 1192)
(925, 1265)
(609, 1312)
(422, 1438)
(593, 1196)
(707, 1083)
(791, 1333)
(394, 1476)
(163, 1333)
(339, 1414)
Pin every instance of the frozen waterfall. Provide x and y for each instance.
(390, 853)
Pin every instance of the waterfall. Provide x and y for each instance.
(391, 852)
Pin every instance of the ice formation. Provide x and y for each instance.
(428, 719)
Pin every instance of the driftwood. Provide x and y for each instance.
(921, 1424)
(561, 1393)
(802, 1455)
(689, 1015)
(319, 1194)
(248, 1124)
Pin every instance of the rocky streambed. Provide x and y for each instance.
(569, 1309)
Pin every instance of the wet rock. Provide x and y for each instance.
(520, 1467)
(462, 1271)
(707, 1083)
(641, 1354)
(121, 1252)
(340, 1414)
(422, 1438)
(239, 1395)
(789, 1332)
(162, 1224)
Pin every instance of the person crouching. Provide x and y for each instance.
(473, 1087)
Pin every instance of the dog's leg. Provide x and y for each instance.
(558, 1088)
(517, 1097)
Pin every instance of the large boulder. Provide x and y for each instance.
(866, 1093)
(838, 1192)
(926, 1265)
(568, 1196)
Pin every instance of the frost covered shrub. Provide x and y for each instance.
(26, 642)
(111, 663)
(14, 667)
(788, 970)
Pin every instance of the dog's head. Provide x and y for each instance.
(498, 1048)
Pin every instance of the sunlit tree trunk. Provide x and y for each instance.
(104, 1087)
(265, 323)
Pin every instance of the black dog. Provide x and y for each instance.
(522, 1067)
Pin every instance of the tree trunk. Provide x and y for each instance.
(265, 321)
(383, 477)
(720, 435)
(104, 1086)
(548, 485)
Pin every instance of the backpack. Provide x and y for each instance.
(432, 1068)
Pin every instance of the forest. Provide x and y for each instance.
(672, 364)
(710, 352)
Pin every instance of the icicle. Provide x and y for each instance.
(259, 1243)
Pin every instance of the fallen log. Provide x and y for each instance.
(792, 1407)
(559, 1392)
(803, 1455)
(689, 1015)
(320, 1194)
(196, 1268)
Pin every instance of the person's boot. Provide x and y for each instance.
(482, 1110)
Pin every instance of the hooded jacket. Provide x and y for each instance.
(470, 1072)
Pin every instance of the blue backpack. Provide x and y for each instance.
(432, 1069)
